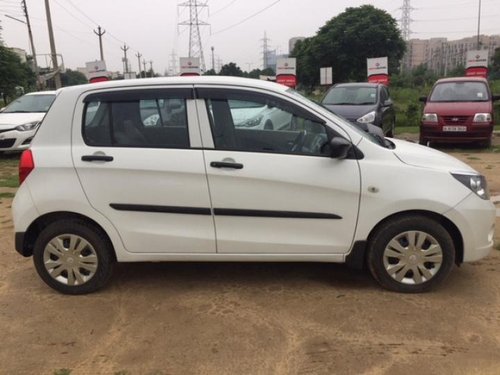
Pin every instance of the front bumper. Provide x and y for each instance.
(475, 219)
(473, 133)
(14, 140)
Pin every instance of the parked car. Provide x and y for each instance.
(98, 185)
(20, 119)
(362, 103)
(458, 110)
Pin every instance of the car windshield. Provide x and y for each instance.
(350, 95)
(30, 103)
(460, 92)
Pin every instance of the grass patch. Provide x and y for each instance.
(497, 246)
(9, 160)
(473, 158)
(407, 129)
(6, 195)
(11, 181)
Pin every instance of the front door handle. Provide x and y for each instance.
(97, 158)
(225, 164)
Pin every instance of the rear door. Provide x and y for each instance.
(275, 190)
(138, 155)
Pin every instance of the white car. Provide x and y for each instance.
(20, 119)
(99, 186)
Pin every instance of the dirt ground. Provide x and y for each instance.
(194, 318)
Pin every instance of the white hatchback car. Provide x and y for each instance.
(99, 185)
(20, 119)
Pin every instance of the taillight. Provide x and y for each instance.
(26, 165)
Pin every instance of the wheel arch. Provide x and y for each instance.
(43, 221)
(448, 225)
(358, 256)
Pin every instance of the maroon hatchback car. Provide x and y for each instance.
(458, 110)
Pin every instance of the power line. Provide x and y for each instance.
(223, 8)
(246, 19)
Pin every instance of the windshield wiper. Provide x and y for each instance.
(364, 103)
(18, 111)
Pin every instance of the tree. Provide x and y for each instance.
(73, 77)
(14, 73)
(231, 69)
(346, 41)
(495, 65)
(210, 72)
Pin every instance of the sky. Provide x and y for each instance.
(235, 28)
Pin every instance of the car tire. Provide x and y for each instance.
(73, 257)
(410, 254)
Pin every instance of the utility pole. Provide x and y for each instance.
(194, 23)
(151, 67)
(173, 63)
(125, 61)
(57, 75)
(144, 65)
(213, 59)
(100, 33)
(479, 26)
(139, 62)
(39, 83)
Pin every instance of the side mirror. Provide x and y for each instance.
(3, 108)
(423, 99)
(496, 97)
(387, 103)
(339, 148)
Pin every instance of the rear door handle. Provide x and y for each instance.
(225, 164)
(97, 158)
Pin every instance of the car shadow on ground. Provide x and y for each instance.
(216, 274)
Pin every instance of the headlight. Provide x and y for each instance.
(476, 183)
(253, 122)
(430, 117)
(28, 126)
(482, 117)
(368, 118)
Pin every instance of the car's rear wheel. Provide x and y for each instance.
(73, 257)
(411, 254)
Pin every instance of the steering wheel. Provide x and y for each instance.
(299, 141)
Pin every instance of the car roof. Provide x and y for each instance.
(42, 93)
(189, 80)
(462, 79)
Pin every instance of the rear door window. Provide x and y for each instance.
(154, 119)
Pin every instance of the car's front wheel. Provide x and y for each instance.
(411, 254)
(73, 257)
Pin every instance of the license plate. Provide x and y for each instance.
(454, 128)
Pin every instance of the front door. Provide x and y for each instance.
(274, 189)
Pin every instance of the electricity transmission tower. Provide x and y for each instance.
(265, 50)
(406, 20)
(194, 23)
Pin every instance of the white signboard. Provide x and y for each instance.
(477, 58)
(190, 66)
(286, 66)
(325, 76)
(96, 69)
(376, 66)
